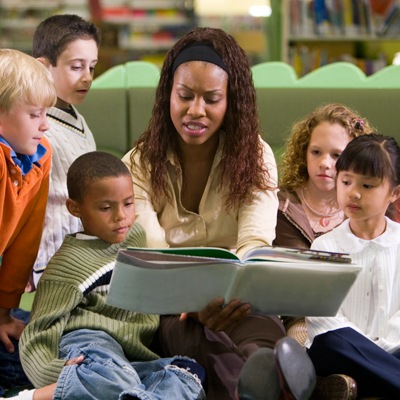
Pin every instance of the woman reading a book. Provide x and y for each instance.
(204, 177)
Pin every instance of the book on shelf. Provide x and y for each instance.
(338, 18)
(277, 281)
(389, 18)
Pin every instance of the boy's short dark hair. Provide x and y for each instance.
(55, 33)
(92, 167)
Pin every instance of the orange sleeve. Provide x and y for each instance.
(20, 255)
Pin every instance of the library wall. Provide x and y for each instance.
(136, 29)
(318, 32)
(305, 33)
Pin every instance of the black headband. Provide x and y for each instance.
(199, 52)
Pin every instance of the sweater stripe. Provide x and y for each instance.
(66, 124)
(98, 278)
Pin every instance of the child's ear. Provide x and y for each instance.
(395, 194)
(44, 61)
(73, 208)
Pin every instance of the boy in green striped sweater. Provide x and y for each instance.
(76, 346)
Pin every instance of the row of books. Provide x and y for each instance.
(326, 18)
(304, 60)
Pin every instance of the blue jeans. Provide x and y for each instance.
(105, 372)
(11, 372)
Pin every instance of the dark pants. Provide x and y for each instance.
(11, 372)
(345, 351)
(222, 354)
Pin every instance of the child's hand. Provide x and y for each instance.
(75, 360)
(9, 327)
(218, 319)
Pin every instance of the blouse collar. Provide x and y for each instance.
(353, 244)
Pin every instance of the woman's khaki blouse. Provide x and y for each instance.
(168, 223)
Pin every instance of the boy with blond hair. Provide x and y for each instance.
(26, 92)
(67, 46)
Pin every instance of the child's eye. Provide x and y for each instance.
(315, 152)
(368, 186)
(336, 156)
(34, 116)
(211, 101)
(346, 183)
(75, 68)
(128, 204)
(105, 208)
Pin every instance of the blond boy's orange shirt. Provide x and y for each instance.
(23, 201)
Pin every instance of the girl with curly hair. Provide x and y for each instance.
(307, 196)
(204, 177)
(308, 205)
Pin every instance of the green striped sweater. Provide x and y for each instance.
(70, 296)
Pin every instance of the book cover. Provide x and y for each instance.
(155, 282)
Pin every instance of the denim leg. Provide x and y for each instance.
(11, 372)
(106, 374)
(161, 380)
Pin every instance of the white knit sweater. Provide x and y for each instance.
(372, 307)
(69, 138)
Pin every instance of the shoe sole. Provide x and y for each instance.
(259, 378)
(296, 370)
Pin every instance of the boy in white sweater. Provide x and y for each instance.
(67, 46)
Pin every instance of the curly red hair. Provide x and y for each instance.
(243, 169)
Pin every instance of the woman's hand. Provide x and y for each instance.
(216, 318)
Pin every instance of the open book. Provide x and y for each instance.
(171, 281)
(261, 253)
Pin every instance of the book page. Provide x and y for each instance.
(292, 254)
(160, 288)
(313, 289)
(211, 252)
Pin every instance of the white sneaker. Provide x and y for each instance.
(24, 395)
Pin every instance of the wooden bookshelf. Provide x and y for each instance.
(19, 19)
(349, 30)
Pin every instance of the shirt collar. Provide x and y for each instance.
(353, 244)
(83, 236)
(23, 161)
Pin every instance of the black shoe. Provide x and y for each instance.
(296, 370)
(259, 378)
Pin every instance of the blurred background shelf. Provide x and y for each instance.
(314, 33)
(306, 34)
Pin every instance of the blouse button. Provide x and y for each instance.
(16, 183)
(13, 171)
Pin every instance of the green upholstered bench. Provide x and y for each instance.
(119, 105)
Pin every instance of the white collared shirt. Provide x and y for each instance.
(372, 307)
